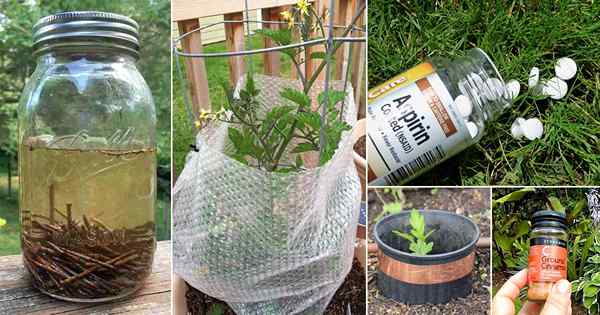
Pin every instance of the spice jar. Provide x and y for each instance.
(547, 253)
(87, 159)
(429, 113)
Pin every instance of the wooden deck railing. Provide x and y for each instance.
(186, 13)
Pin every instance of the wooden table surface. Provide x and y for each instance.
(17, 296)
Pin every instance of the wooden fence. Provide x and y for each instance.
(186, 13)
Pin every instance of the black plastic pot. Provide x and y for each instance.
(436, 278)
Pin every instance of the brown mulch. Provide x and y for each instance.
(473, 203)
(351, 292)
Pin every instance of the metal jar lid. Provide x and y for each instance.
(85, 28)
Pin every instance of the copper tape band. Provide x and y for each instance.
(426, 274)
(361, 232)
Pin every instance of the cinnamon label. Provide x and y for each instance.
(547, 263)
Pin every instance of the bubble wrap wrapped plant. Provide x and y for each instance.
(266, 242)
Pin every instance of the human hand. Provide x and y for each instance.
(558, 302)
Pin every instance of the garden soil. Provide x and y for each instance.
(474, 203)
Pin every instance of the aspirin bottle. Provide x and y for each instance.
(429, 113)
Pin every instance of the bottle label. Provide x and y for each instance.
(547, 263)
(412, 126)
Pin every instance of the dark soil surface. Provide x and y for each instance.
(360, 146)
(351, 292)
(201, 304)
(473, 203)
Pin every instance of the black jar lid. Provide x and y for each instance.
(550, 218)
(86, 28)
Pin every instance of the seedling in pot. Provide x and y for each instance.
(417, 236)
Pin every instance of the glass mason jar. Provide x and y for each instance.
(548, 253)
(87, 159)
(429, 113)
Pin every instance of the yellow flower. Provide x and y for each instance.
(204, 114)
(303, 6)
(287, 16)
(198, 124)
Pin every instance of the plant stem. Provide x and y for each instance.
(347, 30)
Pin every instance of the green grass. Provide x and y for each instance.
(517, 37)
(9, 210)
(217, 70)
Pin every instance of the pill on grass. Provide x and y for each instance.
(534, 77)
(464, 105)
(533, 129)
(555, 88)
(473, 129)
(513, 87)
(516, 129)
(565, 68)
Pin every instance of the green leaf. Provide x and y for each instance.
(429, 234)
(333, 96)
(503, 241)
(235, 136)
(577, 208)
(588, 302)
(304, 147)
(522, 229)
(296, 96)
(279, 114)
(2, 222)
(513, 196)
(392, 208)
(216, 309)
(299, 162)
(405, 236)
(281, 36)
(556, 205)
(590, 290)
(421, 248)
(323, 56)
(417, 222)
(311, 119)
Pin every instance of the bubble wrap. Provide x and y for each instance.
(265, 242)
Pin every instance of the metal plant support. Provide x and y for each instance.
(330, 41)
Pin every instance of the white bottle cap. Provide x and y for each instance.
(565, 68)
(464, 105)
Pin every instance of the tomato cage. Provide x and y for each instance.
(266, 208)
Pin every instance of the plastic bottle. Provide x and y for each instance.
(429, 113)
(547, 253)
